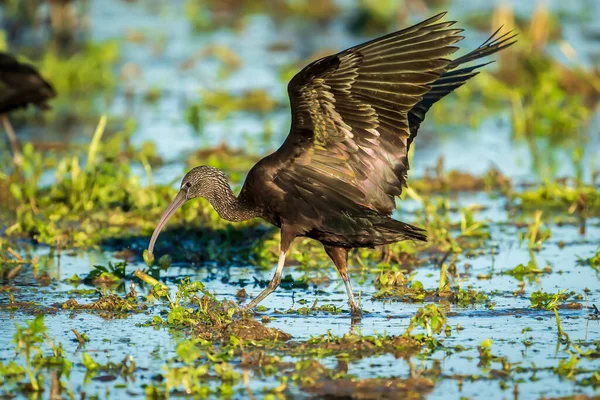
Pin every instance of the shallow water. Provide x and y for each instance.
(490, 144)
(503, 324)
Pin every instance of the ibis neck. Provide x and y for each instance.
(228, 206)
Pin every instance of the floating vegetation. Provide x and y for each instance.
(29, 342)
(194, 307)
(572, 199)
(529, 271)
(220, 104)
(396, 286)
(106, 275)
(458, 181)
(551, 302)
(429, 317)
(416, 387)
(90, 70)
(209, 14)
(593, 261)
(107, 302)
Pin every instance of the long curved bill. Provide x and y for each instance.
(174, 206)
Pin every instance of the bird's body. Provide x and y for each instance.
(20, 86)
(354, 116)
(329, 223)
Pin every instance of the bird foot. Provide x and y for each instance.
(356, 312)
(249, 311)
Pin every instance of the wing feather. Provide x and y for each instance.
(355, 113)
(454, 78)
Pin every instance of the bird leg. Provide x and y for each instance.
(274, 284)
(339, 256)
(287, 237)
(14, 142)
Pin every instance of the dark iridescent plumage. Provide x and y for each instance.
(354, 116)
(20, 85)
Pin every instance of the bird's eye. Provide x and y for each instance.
(188, 184)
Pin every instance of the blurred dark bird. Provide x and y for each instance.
(20, 85)
(354, 116)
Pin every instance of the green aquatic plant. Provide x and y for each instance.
(11, 374)
(392, 279)
(540, 106)
(536, 235)
(592, 353)
(314, 309)
(444, 282)
(567, 368)
(429, 317)
(531, 271)
(210, 319)
(436, 217)
(87, 71)
(188, 377)
(439, 181)
(373, 15)
(593, 261)
(194, 116)
(38, 354)
(551, 302)
(88, 362)
(206, 15)
(593, 380)
(125, 369)
(468, 297)
(112, 274)
(28, 341)
(108, 302)
(485, 353)
(444, 233)
(197, 363)
(91, 70)
(32, 167)
(220, 104)
(470, 227)
(396, 285)
(96, 196)
(205, 308)
(579, 199)
(186, 308)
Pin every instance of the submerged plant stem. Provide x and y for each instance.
(561, 332)
(34, 382)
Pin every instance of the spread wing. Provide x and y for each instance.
(351, 119)
(21, 84)
(454, 78)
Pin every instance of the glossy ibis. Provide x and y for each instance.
(20, 85)
(354, 116)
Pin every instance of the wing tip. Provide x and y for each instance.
(431, 20)
(438, 16)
